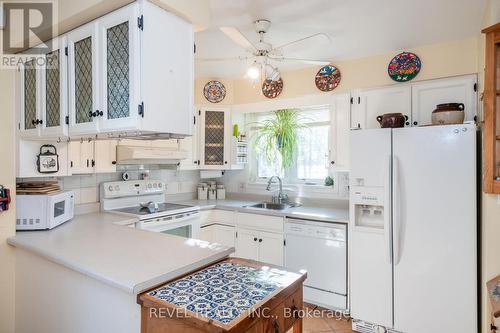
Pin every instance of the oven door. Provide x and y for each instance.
(186, 225)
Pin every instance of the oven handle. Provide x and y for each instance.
(153, 224)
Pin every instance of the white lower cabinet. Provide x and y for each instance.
(218, 233)
(260, 237)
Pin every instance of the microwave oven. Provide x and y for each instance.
(47, 211)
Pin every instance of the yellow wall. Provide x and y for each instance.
(439, 60)
(7, 178)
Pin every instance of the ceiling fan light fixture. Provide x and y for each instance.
(253, 72)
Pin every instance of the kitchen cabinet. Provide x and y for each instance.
(367, 104)
(262, 246)
(43, 94)
(87, 156)
(84, 78)
(27, 151)
(190, 144)
(105, 156)
(215, 136)
(218, 233)
(426, 95)
(260, 237)
(491, 136)
(117, 86)
(339, 132)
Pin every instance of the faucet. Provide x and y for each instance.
(281, 197)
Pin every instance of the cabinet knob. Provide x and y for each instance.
(33, 122)
(260, 240)
(100, 113)
(113, 162)
(407, 123)
(91, 114)
(225, 162)
(332, 162)
(415, 123)
(255, 239)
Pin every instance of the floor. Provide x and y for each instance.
(325, 323)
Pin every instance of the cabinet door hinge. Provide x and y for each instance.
(19, 125)
(199, 112)
(71, 164)
(66, 51)
(140, 22)
(194, 120)
(359, 100)
(352, 100)
(284, 242)
(236, 234)
(475, 87)
(66, 120)
(93, 163)
(194, 48)
(141, 109)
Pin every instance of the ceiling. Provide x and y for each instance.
(357, 28)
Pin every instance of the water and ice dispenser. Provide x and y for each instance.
(368, 207)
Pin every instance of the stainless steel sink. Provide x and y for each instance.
(273, 206)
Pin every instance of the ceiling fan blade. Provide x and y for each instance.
(306, 61)
(221, 59)
(236, 36)
(316, 39)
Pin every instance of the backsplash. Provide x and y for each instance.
(86, 187)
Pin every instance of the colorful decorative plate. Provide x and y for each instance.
(272, 89)
(214, 91)
(327, 78)
(404, 67)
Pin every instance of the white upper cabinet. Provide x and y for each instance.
(83, 79)
(339, 132)
(215, 139)
(43, 95)
(118, 36)
(368, 104)
(53, 91)
(129, 72)
(426, 95)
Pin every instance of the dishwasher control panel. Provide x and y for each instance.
(325, 230)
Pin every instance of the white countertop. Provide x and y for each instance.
(129, 259)
(325, 214)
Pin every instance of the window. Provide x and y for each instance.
(311, 165)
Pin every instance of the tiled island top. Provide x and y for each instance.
(225, 292)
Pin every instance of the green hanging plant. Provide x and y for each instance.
(279, 134)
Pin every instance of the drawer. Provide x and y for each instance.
(260, 222)
(224, 216)
(283, 317)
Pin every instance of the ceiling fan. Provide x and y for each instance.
(265, 55)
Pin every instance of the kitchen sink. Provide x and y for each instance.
(273, 206)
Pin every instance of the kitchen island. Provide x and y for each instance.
(85, 275)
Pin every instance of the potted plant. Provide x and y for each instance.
(279, 134)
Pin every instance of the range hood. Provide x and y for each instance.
(149, 155)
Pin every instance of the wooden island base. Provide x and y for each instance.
(278, 312)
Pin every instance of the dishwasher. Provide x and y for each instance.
(320, 248)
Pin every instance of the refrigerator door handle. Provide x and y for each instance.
(396, 202)
(387, 209)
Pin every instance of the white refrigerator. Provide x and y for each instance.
(413, 230)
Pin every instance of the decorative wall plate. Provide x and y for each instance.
(214, 91)
(327, 78)
(404, 67)
(272, 89)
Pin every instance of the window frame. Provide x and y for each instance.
(290, 176)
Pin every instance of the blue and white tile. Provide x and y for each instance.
(235, 287)
(201, 290)
(241, 303)
(219, 296)
(180, 299)
(224, 314)
(183, 284)
(201, 306)
(217, 282)
(254, 294)
(163, 292)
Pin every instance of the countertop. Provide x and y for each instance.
(129, 259)
(326, 214)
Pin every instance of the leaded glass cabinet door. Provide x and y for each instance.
(53, 85)
(119, 55)
(29, 88)
(215, 139)
(83, 80)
